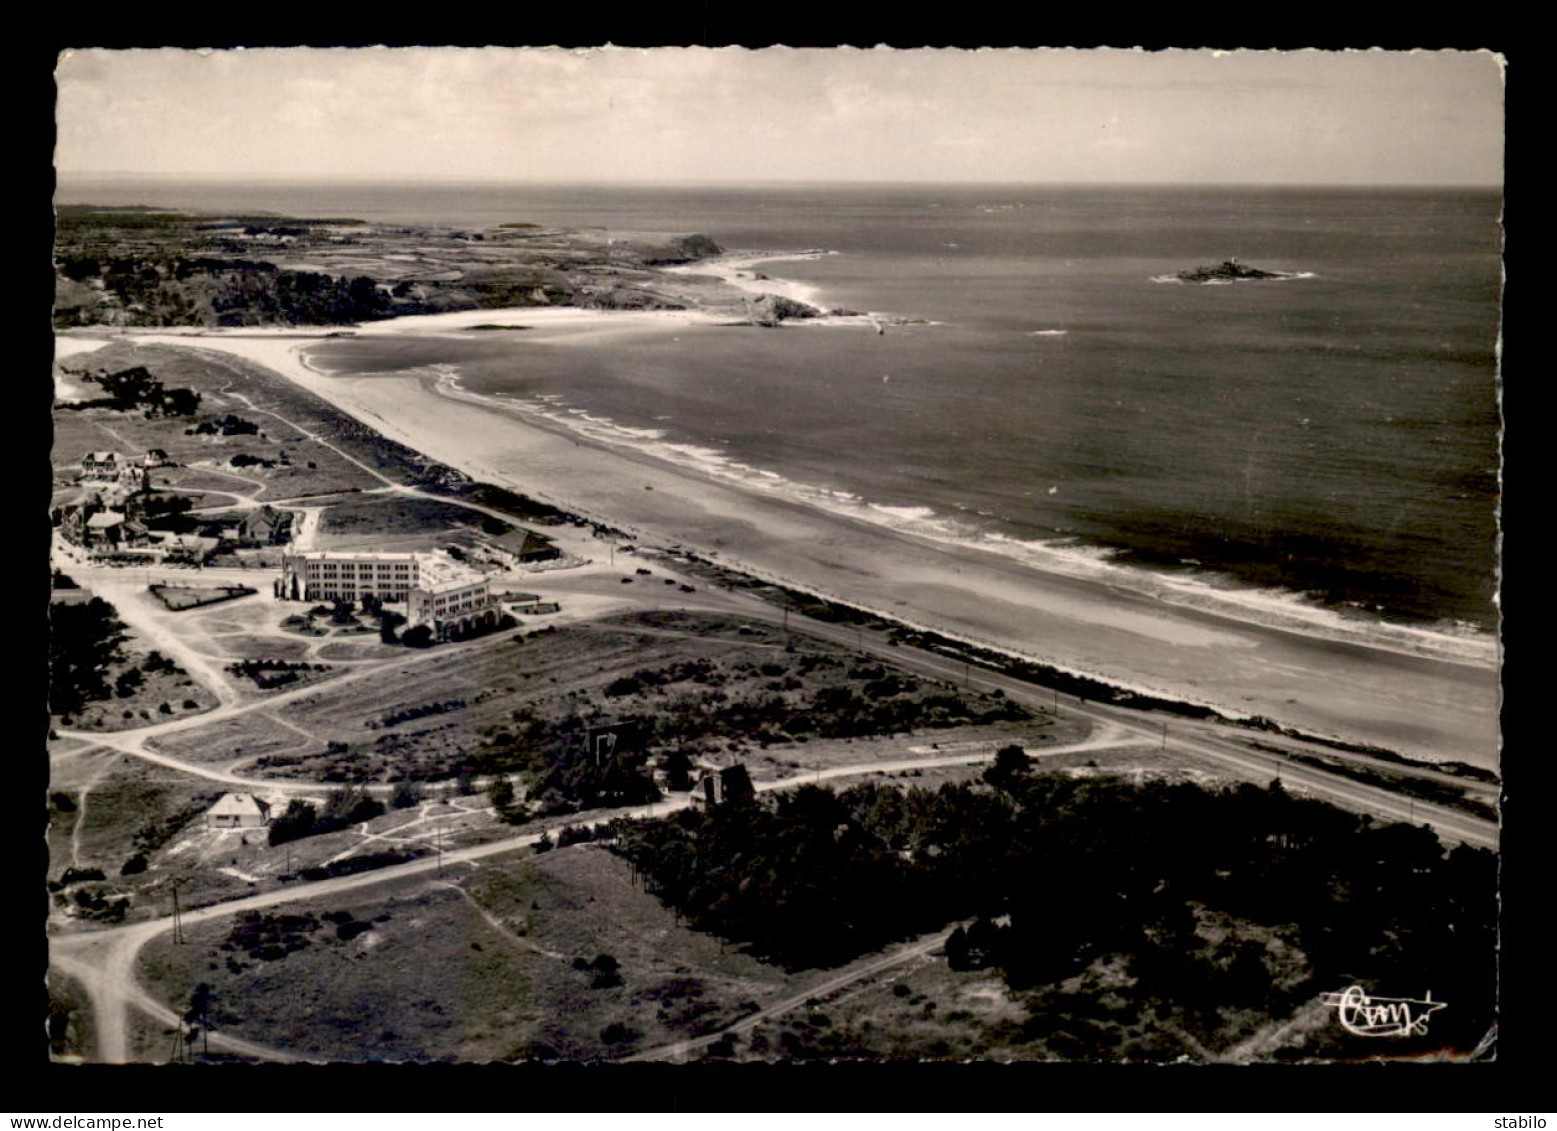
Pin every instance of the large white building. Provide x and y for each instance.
(437, 590)
(331, 575)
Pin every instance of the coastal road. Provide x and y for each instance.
(1206, 741)
(104, 960)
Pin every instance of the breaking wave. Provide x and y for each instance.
(1201, 589)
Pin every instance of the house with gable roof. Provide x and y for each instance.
(238, 811)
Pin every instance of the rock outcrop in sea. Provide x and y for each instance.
(1228, 270)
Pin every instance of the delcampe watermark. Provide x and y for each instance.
(1367, 1016)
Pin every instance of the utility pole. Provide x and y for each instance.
(178, 918)
(1164, 745)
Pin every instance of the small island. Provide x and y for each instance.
(1230, 271)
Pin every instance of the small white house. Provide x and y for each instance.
(238, 811)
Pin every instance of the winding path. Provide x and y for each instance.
(104, 961)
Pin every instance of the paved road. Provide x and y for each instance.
(1216, 743)
(104, 961)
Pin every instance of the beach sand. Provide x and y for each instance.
(1418, 706)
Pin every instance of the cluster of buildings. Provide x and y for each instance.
(116, 512)
(112, 467)
(436, 590)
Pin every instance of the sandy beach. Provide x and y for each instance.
(1419, 706)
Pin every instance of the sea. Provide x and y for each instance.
(1323, 447)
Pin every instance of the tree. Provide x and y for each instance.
(295, 823)
(405, 795)
(956, 951)
(607, 972)
(348, 805)
(180, 402)
(419, 636)
(83, 641)
(500, 792)
(388, 622)
(1010, 764)
(197, 1018)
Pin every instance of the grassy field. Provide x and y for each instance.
(311, 467)
(130, 809)
(182, 598)
(716, 684)
(392, 514)
(499, 963)
(239, 738)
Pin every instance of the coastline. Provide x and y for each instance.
(1432, 708)
(737, 269)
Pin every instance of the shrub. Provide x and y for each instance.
(617, 1033)
(295, 823)
(80, 876)
(134, 865)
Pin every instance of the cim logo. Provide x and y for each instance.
(1366, 1016)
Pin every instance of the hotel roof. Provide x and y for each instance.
(439, 573)
(355, 556)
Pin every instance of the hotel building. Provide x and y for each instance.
(436, 589)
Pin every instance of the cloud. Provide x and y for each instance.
(733, 114)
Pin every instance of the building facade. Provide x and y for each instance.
(329, 575)
(437, 591)
(102, 465)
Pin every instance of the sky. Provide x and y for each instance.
(782, 114)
